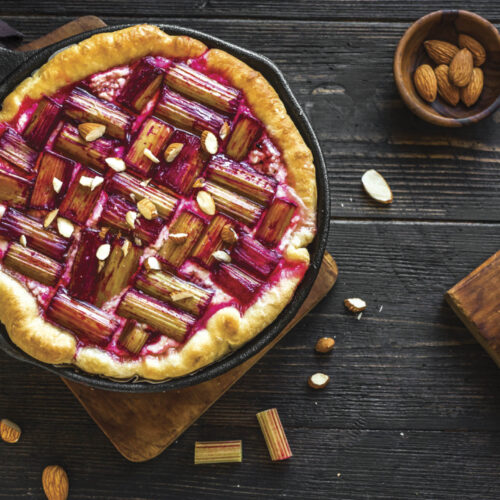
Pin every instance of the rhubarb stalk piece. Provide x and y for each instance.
(186, 114)
(242, 179)
(211, 240)
(181, 173)
(84, 319)
(128, 185)
(237, 282)
(81, 198)
(69, 143)
(14, 189)
(42, 123)
(14, 224)
(234, 205)
(175, 253)
(141, 85)
(51, 166)
(133, 337)
(82, 106)
(152, 136)
(217, 452)
(274, 434)
(245, 132)
(169, 288)
(161, 317)
(115, 214)
(202, 88)
(118, 270)
(32, 264)
(254, 257)
(275, 222)
(16, 151)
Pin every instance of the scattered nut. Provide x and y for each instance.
(23, 240)
(355, 305)
(221, 256)
(147, 209)
(117, 164)
(86, 181)
(103, 251)
(152, 264)
(205, 202)
(103, 232)
(138, 241)
(55, 482)
(65, 227)
(50, 217)
(199, 183)
(126, 247)
(318, 380)
(130, 218)
(224, 130)
(96, 181)
(229, 235)
(209, 142)
(324, 344)
(145, 182)
(9, 431)
(149, 154)
(57, 185)
(172, 151)
(178, 296)
(376, 186)
(91, 131)
(178, 238)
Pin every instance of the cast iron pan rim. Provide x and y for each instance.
(317, 248)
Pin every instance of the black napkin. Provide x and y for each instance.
(9, 37)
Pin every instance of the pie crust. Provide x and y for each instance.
(227, 329)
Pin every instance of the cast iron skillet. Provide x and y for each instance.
(15, 67)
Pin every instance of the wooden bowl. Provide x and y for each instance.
(447, 25)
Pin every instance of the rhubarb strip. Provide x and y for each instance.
(254, 257)
(237, 282)
(211, 240)
(274, 434)
(244, 134)
(161, 317)
(16, 151)
(42, 123)
(133, 337)
(275, 222)
(14, 189)
(217, 452)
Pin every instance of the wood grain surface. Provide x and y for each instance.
(413, 406)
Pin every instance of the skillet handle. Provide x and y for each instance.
(10, 60)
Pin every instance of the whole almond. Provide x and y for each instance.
(446, 89)
(470, 94)
(324, 345)
(461, 66)
(425, 82)
(440, 52)
(477, 50)
(55, 482)
(9, 431)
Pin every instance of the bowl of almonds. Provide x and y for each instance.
(447, 68)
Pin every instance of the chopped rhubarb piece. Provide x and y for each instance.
(51, 166)
(70, 144)
(152, 136)
(161, 317)
(82, 195)
(178, 292)
(254, 257)
(211, 240)
(128, 185)
(234, 205)
(120, 266)
(15, 224)
(86, 266)
(82, 106)
(186, 114)
(237, 282)
(217, 452)
(14, 189)
(242, 179)
(141, 85)
(181, 173)
(32, 264)
(202, 88)
(84, 319)
(115, 214)
(133, 337)
(275, 222)
(245, 132)
(16, 151)
(175, 253)
(274, 434)
(42, 123)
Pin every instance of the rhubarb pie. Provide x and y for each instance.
(156, 202)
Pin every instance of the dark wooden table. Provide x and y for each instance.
(413, 408)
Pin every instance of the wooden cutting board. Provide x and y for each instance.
(141, 426)
(476, 300)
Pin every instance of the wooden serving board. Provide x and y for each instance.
(476, 300)
(141, 426)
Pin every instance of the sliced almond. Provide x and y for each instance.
(376, 186)
(96, 182)
(149, 154)
(132, 197)
(86, 181)
(9, 431)
(145, 182)
(152, 264)
(178, 296)
(126, 247)
(199, 183)
(355, 304)
(318, 380)
(147, 209)
(229, 235)
(103, 232)
(117, 164)
(57, 185)
(91, 131)
(23, 240)
(178, 238)
(224, 130)
(172, 151)
(103, 251)
(209, 142)
(65, 227)
(130, 218)
(205, 202)
(138, 241)
(221, 256)
(50, 217)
